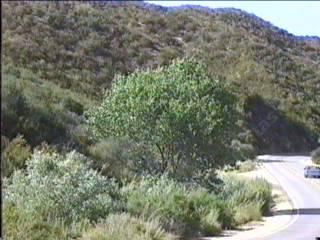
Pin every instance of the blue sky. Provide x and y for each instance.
(297, 17)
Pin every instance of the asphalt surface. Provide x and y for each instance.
(304, 194)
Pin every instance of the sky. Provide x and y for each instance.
(297, 17)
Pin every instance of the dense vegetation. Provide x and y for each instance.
(158, 138)
(61, 57)
(103, 136)
(61, 197)
(186, 118)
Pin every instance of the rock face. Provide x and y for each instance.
(274, 133)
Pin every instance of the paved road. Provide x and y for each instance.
(304, 193)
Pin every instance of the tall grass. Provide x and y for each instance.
(123, 226)
(247, 166)
(180, 208)
(59, 197)
(249, 199)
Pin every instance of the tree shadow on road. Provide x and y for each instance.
(298, 211)
(270, 161)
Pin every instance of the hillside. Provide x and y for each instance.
(59, 57)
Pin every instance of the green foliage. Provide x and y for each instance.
(315, 156)
(247, 212)
(180, 210)
(247, 166)
(31, 105)
(186, 211)
(243, 151)
(240, 192)
(73, 106)
(57, 186)
(82, 46)
(81, 134)
(59, 58)
(167, 55)
(213, 213)
(180, 111)
(209, 222)
(20, 226)
(122, 159)
(15, 155)
(58, 196)
(123, 226)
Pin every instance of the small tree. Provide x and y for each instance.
(186, 116)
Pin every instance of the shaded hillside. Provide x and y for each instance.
(78, 48)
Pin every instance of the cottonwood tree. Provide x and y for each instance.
(187, 117)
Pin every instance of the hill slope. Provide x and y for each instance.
(76, 49)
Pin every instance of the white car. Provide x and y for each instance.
(312, 171)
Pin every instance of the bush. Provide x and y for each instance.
(214, 214)
(123, 226)
(180, 210)
(242, 191)
(162, 198)
(59, 191)
(122, 159)
(109, 156)
(210, 224)
(73, 106)
(247, 166)
(315, 156)
(57, 186)
(167, 55)
(243, 151)
(247, 212)
(19, 226)
(81, 134)
(15, 155)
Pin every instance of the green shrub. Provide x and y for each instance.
(81, 134)
(33, 105)
(15, 155)
(210, 224)
(84, 58)
(213, 213)
(123, 226)
(243, 151)
(167, 55)
(180, 210)
(247, 212)
(122, 159)
(58, 186)
(315, 155)
(247, 166)
(160, 197)
(57, 191)
(73, 106)
(243, 191)
(19, 226)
